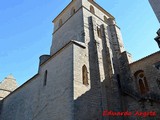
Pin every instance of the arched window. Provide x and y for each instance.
(142, 82)
(60, 22)
(105, 19)
(85, 75)
(45, 78)
(142, 86)
(92, 9)
(73, 10)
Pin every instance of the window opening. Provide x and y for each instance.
(60, 22)
(142, 82)
(85, 75)
(73, 11)
(45, 78)
(92, 9)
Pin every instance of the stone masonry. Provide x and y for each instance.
(87, 72)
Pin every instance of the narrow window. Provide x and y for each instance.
(142, 82)
(60, 22)
(73, 10)
(45, 78)
(146, 84)
(99, 32)
(157, 65)
(142, 86)
(105, 19)
(92, 9)
(85, 75)
(158, 83)
(118, 80)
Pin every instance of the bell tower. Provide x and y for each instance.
(95, 64)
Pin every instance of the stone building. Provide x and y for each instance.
(155, 6)
(87, 73)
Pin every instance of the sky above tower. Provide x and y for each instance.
(26, 31)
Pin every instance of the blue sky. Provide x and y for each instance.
(26, 31)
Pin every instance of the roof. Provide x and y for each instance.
(158, 52)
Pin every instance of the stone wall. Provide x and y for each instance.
(67, 13)
(51, 101)
(147, 64)
(71, 29)
(135, 101)
(100, 57)
(155, 7)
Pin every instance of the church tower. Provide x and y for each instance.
(81, 77)
(96, 63)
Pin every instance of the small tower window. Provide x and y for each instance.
(85, 75)
(157, 65)
(158, 83)
(105, 19)
(60, 22)
(73, 10)
(45, 78)
(99, 32)
(142, 82)
(92, 9)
